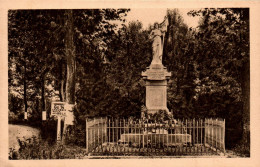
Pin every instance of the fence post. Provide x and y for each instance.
(168, 136)
(205, 131)
(201, 129)
(197, 136)
(182, 131)
(147, 136)
(128, 134)
(216, 132)
(98, 134)
(186, 140)
(124, 135)
(134, 129)
(87, 134)
(102, 129)
(94, 128)
(143, 124)
(113, 134)
(193, 128)
(109, 131)
(224, 136)
(212, 132)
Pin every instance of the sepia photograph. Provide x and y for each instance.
(109, 83)
(129, 83)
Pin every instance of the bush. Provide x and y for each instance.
(15, 106)
(76, 135)
(33, 148)
(160, 116)
(49, 130)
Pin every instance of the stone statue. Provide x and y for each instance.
(157, 35)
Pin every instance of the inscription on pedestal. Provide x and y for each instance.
(156, 97)
(155, 75)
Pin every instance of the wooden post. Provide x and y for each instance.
(59, 128)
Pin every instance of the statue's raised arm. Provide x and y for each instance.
(157, 35)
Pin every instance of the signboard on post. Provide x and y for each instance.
(58, 109)
(62, 110)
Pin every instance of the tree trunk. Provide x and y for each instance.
(71, 64)
(25, 88)
(62, 97)
(43, 93)
(70, 54)
(246, 100)
(62, 82)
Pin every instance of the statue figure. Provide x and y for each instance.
(157, 35)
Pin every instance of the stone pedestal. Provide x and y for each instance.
(156, 77)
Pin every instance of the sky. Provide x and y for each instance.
(152, 15)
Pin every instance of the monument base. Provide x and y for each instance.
(156, 77)
(156, 138)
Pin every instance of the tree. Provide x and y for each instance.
(31, 52)
(113, 85)
(178, 57)
(223, 54)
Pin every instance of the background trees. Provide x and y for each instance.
(38, 48)
(223, 59)
(114, 85)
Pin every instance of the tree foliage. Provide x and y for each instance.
(113, 84)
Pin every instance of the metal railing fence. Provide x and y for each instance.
(124, 137)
